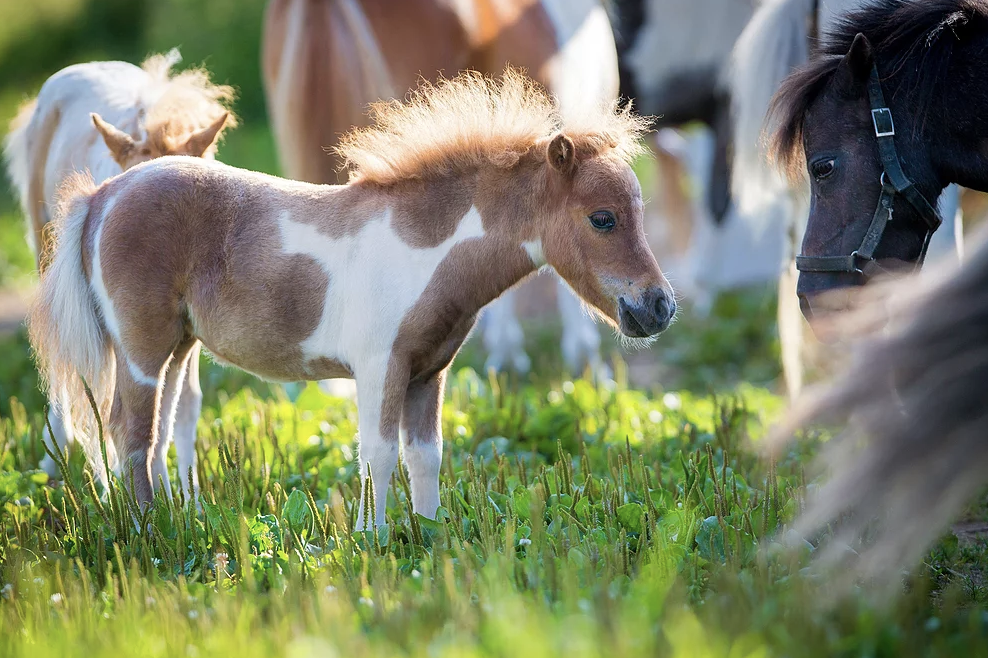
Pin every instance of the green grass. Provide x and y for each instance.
(576, 520)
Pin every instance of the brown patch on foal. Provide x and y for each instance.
(204, 221)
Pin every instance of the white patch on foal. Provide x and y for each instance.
(375, 278)
(534, 250)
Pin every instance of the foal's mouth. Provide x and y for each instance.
(647, 318)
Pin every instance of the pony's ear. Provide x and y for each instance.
(853, 71)
(119, 142)
(201, 140)
(562, 154)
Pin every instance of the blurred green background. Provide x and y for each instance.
(39, 37)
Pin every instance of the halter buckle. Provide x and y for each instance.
(855, 259)
(882, 119)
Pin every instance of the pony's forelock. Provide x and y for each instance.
(907, 36)
(474, 120)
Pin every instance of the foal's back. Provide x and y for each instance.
(208, 243)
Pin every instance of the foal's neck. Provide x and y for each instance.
(510, 204)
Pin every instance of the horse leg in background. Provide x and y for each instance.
(793, 328)
(60, 420)
(171, 397)
(378, 425)
(948, 240)
(503, 337)
(696, 155)
(670, 149)
(184, 428)
(581, 338)
(422, 446)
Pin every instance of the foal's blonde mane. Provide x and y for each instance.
(186, 101)
(473, 120)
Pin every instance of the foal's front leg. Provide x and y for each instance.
(380, 394)
(422, 448)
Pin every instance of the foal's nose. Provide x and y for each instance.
(647, 316)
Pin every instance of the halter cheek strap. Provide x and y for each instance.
(894, 183)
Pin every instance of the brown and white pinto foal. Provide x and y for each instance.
(455, 196)
(105, 117)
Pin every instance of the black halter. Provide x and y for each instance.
(894, 183)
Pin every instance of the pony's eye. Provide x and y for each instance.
(602, 220)
(823, 168)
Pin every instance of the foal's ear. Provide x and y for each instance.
(853, 71)
(119, 142)
(562, 154)
(201, 140)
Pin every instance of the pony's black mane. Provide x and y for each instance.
(912, 41)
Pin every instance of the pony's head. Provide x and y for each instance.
(188, 116)
(864, 119)
(128, 152)
(582, 201)
(593, 235)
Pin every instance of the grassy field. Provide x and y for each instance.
(578, 518)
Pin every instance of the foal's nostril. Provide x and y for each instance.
(664, 308)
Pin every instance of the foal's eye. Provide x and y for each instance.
(823, 168)
(602, 220)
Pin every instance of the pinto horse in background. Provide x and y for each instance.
(674, 58)
(784, 35)
(454, 197)
(324, 61)
(141, 113)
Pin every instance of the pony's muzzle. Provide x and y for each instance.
(648, 316)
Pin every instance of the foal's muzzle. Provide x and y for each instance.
(648, 316)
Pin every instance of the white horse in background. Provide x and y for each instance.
(778, 39)
(105, 117)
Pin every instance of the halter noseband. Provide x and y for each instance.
(894, 183)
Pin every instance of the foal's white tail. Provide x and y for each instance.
(70, 342)
(770, 47)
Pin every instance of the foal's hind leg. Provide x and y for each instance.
(137, 401)
(61, 435)
(171, 397)
(186, 419)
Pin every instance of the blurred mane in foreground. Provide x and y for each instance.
(916, 447)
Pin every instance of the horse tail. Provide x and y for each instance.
(916, 450)
(25, 150)
(322, 65)
(71, 345)
(774, 42)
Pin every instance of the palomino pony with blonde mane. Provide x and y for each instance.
(325, 61)
(141, 113)
(454, 197)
